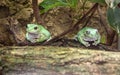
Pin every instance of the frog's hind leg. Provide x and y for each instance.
(75, 38)
(49, 39)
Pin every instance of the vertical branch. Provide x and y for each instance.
(119, 34)
(36, 11)
(118, 41)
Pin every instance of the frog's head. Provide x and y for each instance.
(33, 28)
(91, 34)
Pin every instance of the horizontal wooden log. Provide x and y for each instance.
(52, 60)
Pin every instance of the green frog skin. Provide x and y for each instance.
(37, 33)
(87, 35)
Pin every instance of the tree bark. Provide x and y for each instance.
(40, 60)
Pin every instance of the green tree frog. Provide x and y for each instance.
(37, 33)
(87, 35)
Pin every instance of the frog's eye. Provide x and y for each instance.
(35, 28)
(87, 32)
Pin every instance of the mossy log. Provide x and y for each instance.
(51, 60)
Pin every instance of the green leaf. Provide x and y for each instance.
(112, 3)
(50, 4)
(98, 1)
(72, 3)
(113, 17)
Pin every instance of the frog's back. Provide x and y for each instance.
(45, 31)
(83, 30)
(87, 28)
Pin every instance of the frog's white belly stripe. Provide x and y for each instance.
(89, 39)
(33, 36)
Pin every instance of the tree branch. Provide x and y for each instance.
(36, 11)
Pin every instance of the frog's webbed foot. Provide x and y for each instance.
(33, 41)
(95, 43)
(86, 44)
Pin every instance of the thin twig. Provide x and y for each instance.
(102, 20)
(88, 19)
(107, 48)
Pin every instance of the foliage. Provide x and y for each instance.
(112, 3)
(113, 16)
(50, 4)
(98, 1)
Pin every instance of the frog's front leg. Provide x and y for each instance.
(42, 37)
(33, 41)
(84, 42)
(96, 42)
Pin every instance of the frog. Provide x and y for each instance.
(37, 33)
(87, 35)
